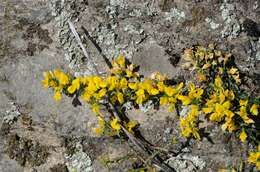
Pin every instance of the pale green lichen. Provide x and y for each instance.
(212, 24)
(186, 163)
(12, 114)
(63, 11)
(174, 14)
(231, 24)
(79, 161)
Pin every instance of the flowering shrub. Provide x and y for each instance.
(218, 96)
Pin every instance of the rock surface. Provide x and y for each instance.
(38, 134)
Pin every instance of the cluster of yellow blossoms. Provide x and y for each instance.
(208, 61)
(220, 104)
(123, 85)
(225, 103)
(254, 158)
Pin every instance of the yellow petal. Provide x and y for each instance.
(185, 99)
(207, 110)
(254, 109)
(243, 136)
(233, 70)
(243, 102)
(115, 125)
(170, 91)
(171, 107)
(206, 66)
(120, 97)
(95, 108)
(123, 83)
(130, 125)
(121, 60)
(57, 96)
(71, 89)
(218, 82)
(154, 91)
(163, 100)
(133, 85)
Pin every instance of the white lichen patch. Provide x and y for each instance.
(211, 23)
(174, 14)
(119, 3)
(146, 9)
(79, 161)
(63, 11)
(12, 114)
(186, 163)
(231, 25)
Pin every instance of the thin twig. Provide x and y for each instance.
(75, 33)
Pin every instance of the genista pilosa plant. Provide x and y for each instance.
(216, 97)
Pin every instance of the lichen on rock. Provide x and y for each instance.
(79, 160)
(231, 25)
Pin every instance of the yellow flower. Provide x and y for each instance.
(123, 83)
(201, 77)
(171, 107)
(115, 124)
(154, 91)
(194, 93)
(229, 94)
(243, 114)
(96, 108)
(146, 84)
(207, 110)
(97, 80)
(218, 115)
(140, 99)
(163, 100)
(221, 97)
(57, 96)
(233, 71)
(133, 85)
(237, 78)
(112, 82)
(130, 125)
(188, 54)
(121, 61)
(243, 136)
(254, 158)
(103, 84)
(74, 86)
(229, 124)
(86, 96)
(254, 109)
(91, 88)
(120, 97)
(179, 86)
(101, 93)
(206, 66)
(185, 99)
(62, 77)
(48, 76)
(218, 82)
(161, 86)
(195, 133)
(243, 102)
(170, 91)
